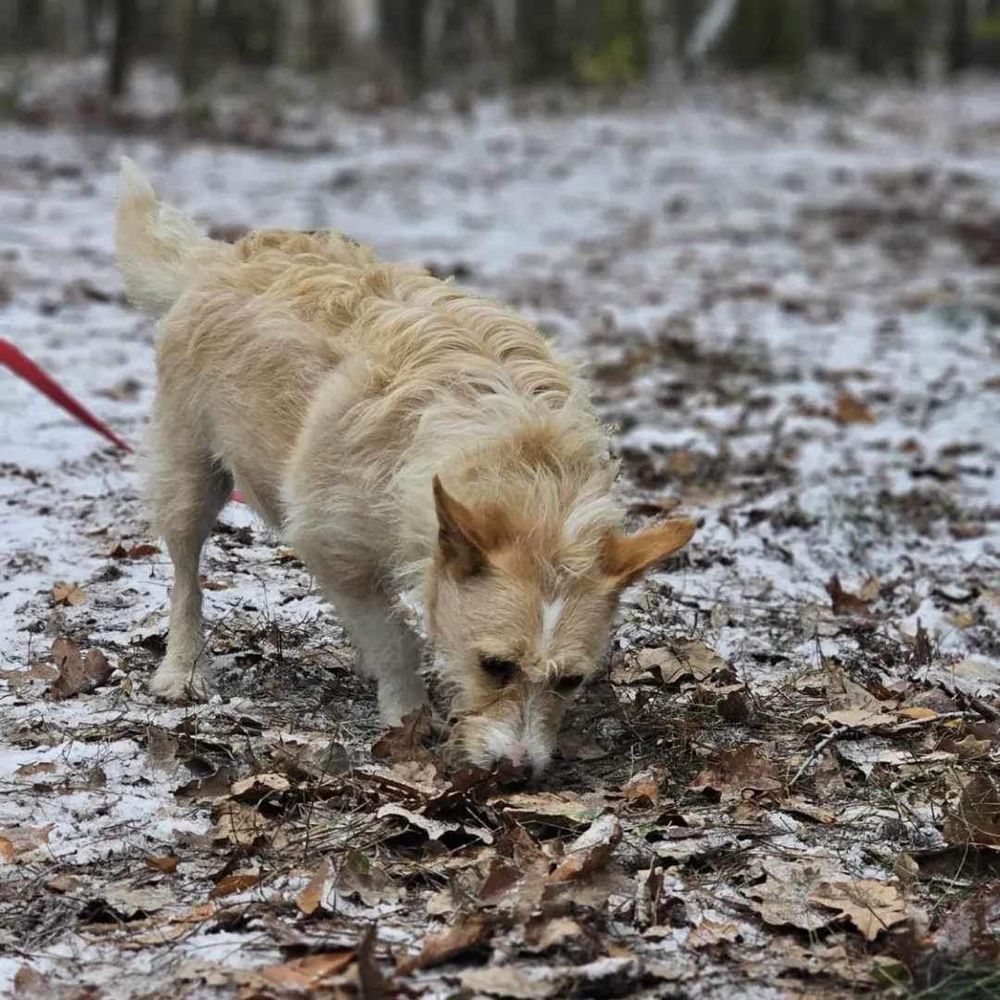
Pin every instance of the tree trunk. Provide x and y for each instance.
(535, 28)
(122, 47)
(185, 52)
(74, 27)
(830, 19)
(959, 36)
(401, 28)
(297, 28)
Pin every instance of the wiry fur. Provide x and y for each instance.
(333, 389)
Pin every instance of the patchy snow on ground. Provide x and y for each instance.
(789, 314)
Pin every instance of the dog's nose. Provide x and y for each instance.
(514, 770)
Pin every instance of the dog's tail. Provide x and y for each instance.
(154, 243)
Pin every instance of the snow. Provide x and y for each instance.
(697, 231)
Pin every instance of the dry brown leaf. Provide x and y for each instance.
(643, 789)
(871, 906)
(240, 824)
(259, 786)
(166, 864)
(30, 983)
(707, 933)
(507, 981)
(76, 674)
(470, 935)
(736, 772)
(856, 718)
(38, 767)
(310, 972)
(236, 882)
(16, 841)
(68, 594)
(784, 896)
(62, 883)
(590, 852)
(546, 934)
(311, 897)
(852, 410)
(918, 712)
(143, 550)
(682, 659)
(558, 808)
(18, 679)
(407, 741)
(845, 603)
(976, 819)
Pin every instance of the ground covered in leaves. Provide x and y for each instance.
(786, 784)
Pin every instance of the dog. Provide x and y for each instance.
(402, 435)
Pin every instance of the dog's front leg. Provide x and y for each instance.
(389, 651)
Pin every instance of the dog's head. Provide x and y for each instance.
(521, 617)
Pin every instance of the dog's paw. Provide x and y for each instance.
(178, 685)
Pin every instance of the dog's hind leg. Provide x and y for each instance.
(188, 491)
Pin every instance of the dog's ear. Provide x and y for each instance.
(464, 539)
(626, 557)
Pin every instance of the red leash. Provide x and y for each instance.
(20, 364)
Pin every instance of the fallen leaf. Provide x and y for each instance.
(554, 808)
(17, 841)
(76, 674)
(39, 767)
(62, 883)
(590, 852)
(309, 973)
(852, 410)
(241, 824)
(735, 772)
(259, 786)
(707, 933)
(235, 883)
(30, 983)
(166, 864)
(685, 658)
(784, 896)
(143, 550)
(471, 934)
(856, 718)
(845, 603)
(918, 712)
(871, 906)
(68, 594)
(311, 897)
(508, 981)
(18, 679)
(544, 935)
(407, 741)
(643, 789)
(132, 902)
(976, 819)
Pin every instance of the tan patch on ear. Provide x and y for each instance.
(465, 538)
(626, 557)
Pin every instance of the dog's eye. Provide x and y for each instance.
(498, 668)
(567, 684)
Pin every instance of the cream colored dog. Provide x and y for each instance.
(400, 433)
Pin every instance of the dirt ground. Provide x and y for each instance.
(785, 786)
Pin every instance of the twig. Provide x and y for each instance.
(820, 747)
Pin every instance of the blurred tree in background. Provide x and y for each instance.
(587, 42)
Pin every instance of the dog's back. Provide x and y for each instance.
(253, 333)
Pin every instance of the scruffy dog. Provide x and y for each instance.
(400, 433)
